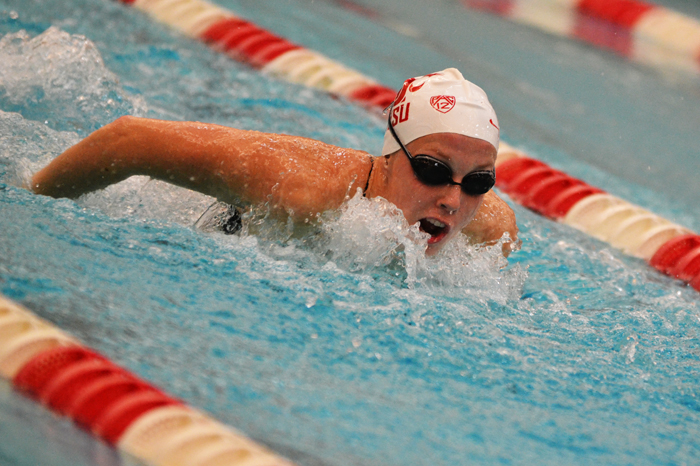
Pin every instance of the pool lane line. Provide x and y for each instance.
(670, 248)
(246, 42)
(640, 31)
(550, 192)
(138, 419)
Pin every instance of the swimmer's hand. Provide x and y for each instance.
(493, 219)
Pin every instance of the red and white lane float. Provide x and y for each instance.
(643, 32)
(251, 44)
(670, 248)
(123, 410)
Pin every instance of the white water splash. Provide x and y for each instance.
(475, 270)
(149, 199)
(368, 234)
(60, 79)
(26, 146)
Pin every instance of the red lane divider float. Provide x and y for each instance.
(34, 376)
(538, 187)
(246, 42)
(115, 419)
(641, 31)
(670, 248)
(106, 399)
(621, 12)
(672, 253)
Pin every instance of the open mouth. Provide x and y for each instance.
(435, 228)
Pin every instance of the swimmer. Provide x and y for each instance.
(437, 164)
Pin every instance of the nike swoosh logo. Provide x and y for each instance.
(494, 124)
(413, 88)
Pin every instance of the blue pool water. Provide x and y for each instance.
(333, 349)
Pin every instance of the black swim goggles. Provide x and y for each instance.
(433, 172)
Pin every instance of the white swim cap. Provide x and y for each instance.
(442, 102)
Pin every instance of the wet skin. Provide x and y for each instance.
(434, 206)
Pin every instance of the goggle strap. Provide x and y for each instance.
(393, 133)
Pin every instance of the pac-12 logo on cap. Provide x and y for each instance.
(443, 103)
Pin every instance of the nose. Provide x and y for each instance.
(451, 199)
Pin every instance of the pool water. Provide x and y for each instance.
(346, 346)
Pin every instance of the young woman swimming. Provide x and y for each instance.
(437, 163)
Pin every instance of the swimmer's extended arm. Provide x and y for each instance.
(294, 174)
(492, 220)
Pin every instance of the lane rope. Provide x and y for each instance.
(246, 42)
(640, 31)
(670, 248)
(137, 418)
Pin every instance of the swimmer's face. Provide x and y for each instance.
(442, 211)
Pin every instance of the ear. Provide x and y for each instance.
(389, 158)
(387, 163)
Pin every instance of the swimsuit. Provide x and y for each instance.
(220, 216)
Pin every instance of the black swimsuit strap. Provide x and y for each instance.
(371, 167)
